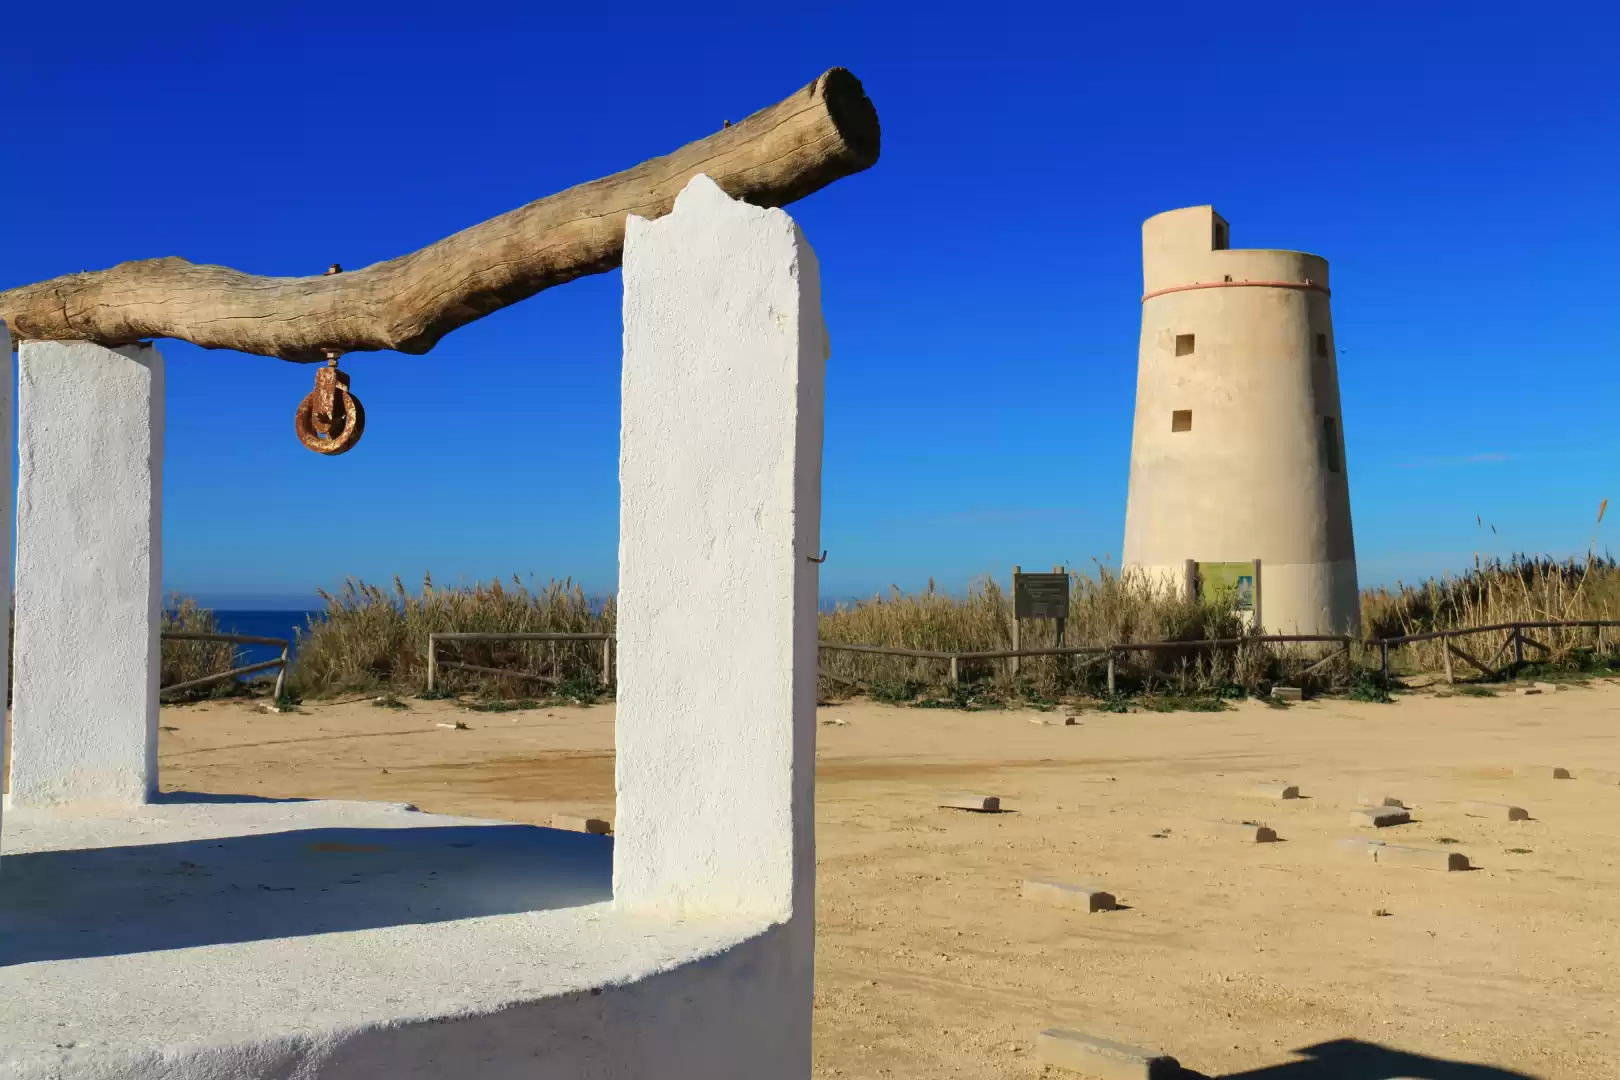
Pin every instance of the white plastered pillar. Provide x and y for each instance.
(8, 387)
(720, 516)
(89, 573)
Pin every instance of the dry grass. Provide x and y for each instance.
(371, 639)
(1103, 609)
(1520, 589)
(183, 661)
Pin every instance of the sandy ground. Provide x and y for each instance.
(1234, 957)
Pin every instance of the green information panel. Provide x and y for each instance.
(1230, 579)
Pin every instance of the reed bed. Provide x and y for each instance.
(182, 661)
(371, 639)
(1519, 589)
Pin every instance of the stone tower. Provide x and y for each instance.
(1238, 446)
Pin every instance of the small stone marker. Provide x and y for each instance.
(1102, 1058)
(1061, 894)
(1273, 790)
(1402, 855)
(1526, 691)
(1380, 800)
(570, 823)
(1549, 687)
(1556, 772)
(1422, 858)
(1379, 817)
(1288, 693)
(1247, 831)
(983, 804)
(1480, 808)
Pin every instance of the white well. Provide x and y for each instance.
(210, 937)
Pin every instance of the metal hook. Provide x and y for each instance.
(813, 559)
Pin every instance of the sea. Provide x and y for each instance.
(278, 624)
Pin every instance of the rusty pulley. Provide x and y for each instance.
(330, 420)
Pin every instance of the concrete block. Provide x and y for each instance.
(1246, 831)
(1356, 845)
(89, 575)
(1496, 810)
(570, 823)
(1380, 800)
(1544, 772)
(1379, 817)
(1421, 858)
(984, 804)
(1526, 691)
(1273, 790)
(1062, 894)
(1601, 776)
(1102, 1058)
(1288, 693)
(1550, 687)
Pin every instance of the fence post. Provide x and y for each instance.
(1383, 663)
(433, 665)
(281, 674)
(1445, 654)
(607, 662)
(1012, 661)
(1110, 672)
(1518, 651)
(956, 675)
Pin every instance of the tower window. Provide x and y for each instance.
(1181, 420)
(1330, 444)
(1220, 242)
(1184, 344)
(1321, 345)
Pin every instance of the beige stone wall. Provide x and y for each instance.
(1238, 448)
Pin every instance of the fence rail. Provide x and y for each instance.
(279, 663)
(1517, 640)
(434, 663)
(1346, 642)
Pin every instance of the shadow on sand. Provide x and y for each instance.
(1352, 1059)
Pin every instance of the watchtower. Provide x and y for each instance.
(1238, 447)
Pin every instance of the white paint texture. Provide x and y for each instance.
(8, 386)
(88, 575)
(720, 479)
(1256, 476)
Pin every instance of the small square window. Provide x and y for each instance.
(1181, 420)
(1330, 444)
(1184, 344)
(1321, 345)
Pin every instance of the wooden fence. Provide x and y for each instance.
(1517, 640)
(1346, 643)
(279, 663)
(434, 663)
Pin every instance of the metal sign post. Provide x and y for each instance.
(1039, 596)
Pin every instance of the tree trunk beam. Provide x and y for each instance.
(824, 132)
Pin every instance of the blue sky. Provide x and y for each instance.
(1456, 163)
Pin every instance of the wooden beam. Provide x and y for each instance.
(826, 131)
(1469, 659)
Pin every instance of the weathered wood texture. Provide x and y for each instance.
(824, 132)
